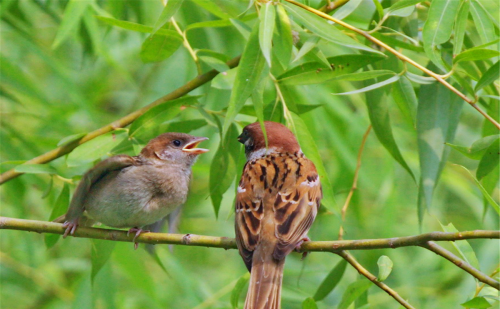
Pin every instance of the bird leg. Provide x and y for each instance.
(138, 231)
(70, 226)
(299, 244)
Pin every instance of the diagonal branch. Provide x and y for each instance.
(400, 56)
(120, 123)
(363, 271)
(432, 246)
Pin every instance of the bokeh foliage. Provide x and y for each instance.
(69, 67)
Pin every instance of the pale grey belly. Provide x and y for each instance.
(121, 199)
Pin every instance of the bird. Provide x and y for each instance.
(277, 200)
(135, 191)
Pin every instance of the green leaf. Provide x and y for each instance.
(489, 161)
(283, 40)
(378, 111)
(438, 114)
(306, 141)
(160, 46)
(331, 281)
(476, 54)
(148, 123)
(478, 148)
(346, 9)
(238, 288)
(488, 77)
(477, 302)
(309, 303)
(225, 80)
(482, 21)
(71, 18)
(35, 169)
(248, 76)
(460, 24)
(438, 28)
(171, 7)
(419, 79)
(215, 63)
(326, 31)
(384, 267)
(185, 126)
(100, 254)
(406, 99)
(463, 246)
(266, 29)
(132, 26)
(401, 5)
(59, 209)
(353, 291)
(70, 139)
(372, 87)
(486, 195)
(219, 23)
(96, 148)
(215, 8)
(242, 28)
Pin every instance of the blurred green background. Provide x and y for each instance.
(64, 71)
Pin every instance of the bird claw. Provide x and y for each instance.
(70, 227)
(137, 231)
(299, 245)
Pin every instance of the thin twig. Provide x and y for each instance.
(363, 271)
(120, 123)
(186, 44)
(432, 246)
(399, 55)
(354, 182)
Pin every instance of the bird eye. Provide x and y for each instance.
(176, 143)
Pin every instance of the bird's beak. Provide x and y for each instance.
(191, 146)
(240, 138)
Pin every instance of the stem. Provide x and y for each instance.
(186, 44)
(351, 260)
(354, 182)
(432, 246)
(402, 57)
(120, 123)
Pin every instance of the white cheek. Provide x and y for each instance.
(260, 153)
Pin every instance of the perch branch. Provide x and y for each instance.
(432, 246)
(120, 123)
(400, 56)
(351, 260)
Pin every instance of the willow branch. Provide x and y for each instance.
(332, 5)
(354, 182)
(432, 246)
(120, 123)
(351, 260)
(400, 56)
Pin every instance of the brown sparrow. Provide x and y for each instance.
(277, 200)
(125, 191)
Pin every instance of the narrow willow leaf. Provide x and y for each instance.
(489, 161)
(160, 46)
(171, 7)
(242, 28)
(70, 139)
(306, 141)
(96, 148)
(185, 126)
(460, 23)
(215, 63)
(404, 12)
(438, 28)
(476, 54)
(331, 281)
(482, 21)
(72, 16)
(384, 267)
(132, 26)
(248, 76)
(308, 45)
(401, 5)
(214, 8)
(266, 29)
(406, 99)
(423, 80)
(353, 291)
(378, 111)
(35, 169)
(371, 87)
(478, 148)
(258, 104)
(219, 23)
(283, 40)
(477, 302)
(225, 80)
(463, 246)
(438, 115)
(100, 254)
(309, 303)
(488, 77)
(238, 288)
(388, 39)
(347, 9)
(486, 195)
(60, 208)
(321, 28)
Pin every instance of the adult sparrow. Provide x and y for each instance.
(277, 200)
(125, 191)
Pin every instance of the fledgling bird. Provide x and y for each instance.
(277, 200)
(124, 191)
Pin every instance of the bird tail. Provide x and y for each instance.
(264, 290)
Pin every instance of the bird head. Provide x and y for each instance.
(174, 148)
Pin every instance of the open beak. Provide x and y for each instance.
(191, 146)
